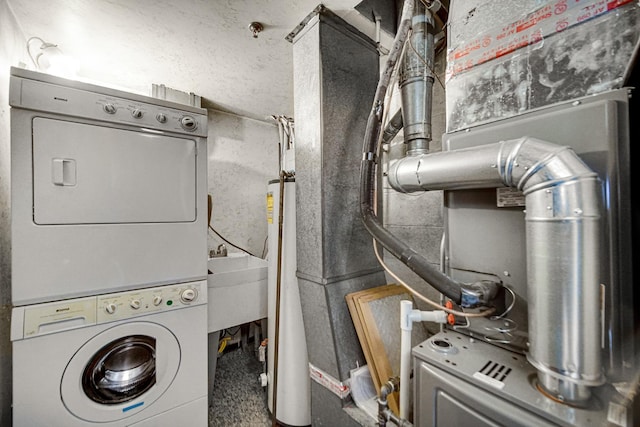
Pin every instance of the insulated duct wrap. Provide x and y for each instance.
(562, 233)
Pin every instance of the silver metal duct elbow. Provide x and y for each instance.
(562, 240)
(563, 270)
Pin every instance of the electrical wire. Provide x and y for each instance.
(229, 243)
(231, 334)
(508, 309)
(429, 4)
(223, 344)
(424, 61)
(484, 313)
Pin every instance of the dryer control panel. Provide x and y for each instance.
(47, 93)
(41, 319)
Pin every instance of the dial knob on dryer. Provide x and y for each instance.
(188, 123)
(135, 304)
(157, 299)
(162, 118)
(110, 308)
(137, 113)
(109, 108)
(188, 295)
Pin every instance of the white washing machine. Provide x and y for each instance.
(135, 358)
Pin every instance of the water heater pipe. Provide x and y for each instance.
(562, 196)
(276, 337)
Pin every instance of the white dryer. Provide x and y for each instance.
(135, 358)
(108, 190)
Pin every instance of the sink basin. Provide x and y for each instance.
(237, 291)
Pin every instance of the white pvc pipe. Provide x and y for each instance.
(407, 317)
(406, 324)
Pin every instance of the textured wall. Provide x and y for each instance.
(12, 45)
(243, 157)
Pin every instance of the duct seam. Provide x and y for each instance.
(417, 172)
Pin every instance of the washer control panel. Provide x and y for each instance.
(41, 319)
(124, 305)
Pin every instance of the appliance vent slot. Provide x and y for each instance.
(495, 370)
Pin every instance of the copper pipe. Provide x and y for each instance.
(274, 422)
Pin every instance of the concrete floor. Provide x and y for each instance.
(238, 398)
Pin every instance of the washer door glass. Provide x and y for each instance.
(121, 370)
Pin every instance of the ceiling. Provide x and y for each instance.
(199, 46)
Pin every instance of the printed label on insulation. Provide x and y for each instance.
(552, 17)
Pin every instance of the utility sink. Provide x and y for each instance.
(237, 291)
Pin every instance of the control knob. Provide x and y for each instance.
(188, 295)
(188, 123)
(157, 299)
(110, 308)
(161, 118)
(137, 113)
(110, 108)
(135, 304)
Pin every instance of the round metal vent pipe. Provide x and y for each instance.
(416, 81)
(562, 197)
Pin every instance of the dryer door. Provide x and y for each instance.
(120, 372)
(87, 174)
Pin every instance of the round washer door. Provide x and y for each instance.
(120, 372)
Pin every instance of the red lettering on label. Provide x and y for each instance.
(561, 25)
(561, 7)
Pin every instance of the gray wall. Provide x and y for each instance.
(243, 158)
(12, 51)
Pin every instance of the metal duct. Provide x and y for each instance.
(468, 295)
(393, 127)
(562, 234)
(416, 81)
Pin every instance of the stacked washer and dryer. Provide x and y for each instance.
(108, 234)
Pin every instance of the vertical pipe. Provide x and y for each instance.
(278, 287)
(373, 224)
(416, 81)
(406, 324)
(562, 223)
